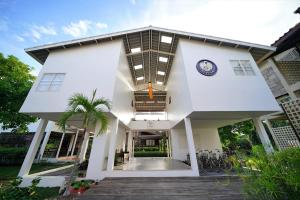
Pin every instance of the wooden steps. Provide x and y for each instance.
(182, 188)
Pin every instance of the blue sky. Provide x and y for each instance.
(30, 23)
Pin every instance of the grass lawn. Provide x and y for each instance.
(10, 172)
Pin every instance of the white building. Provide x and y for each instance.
(200, 83)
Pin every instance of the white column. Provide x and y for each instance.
(191, 145)
(97, 157)
(84, 146)
(112, 145)
(59, 147)
(260, 129)
(133, 143)
(46, 139)
(129, 147)
(170, 144)
(75, 141)
(70, 145)
(36, 141)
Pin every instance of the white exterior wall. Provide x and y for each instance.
(179, 144)
(121, 137)
(224, 91)
(123, 90)
(86, 68)
(205, 138)
(177, 88)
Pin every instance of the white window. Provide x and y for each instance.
(242, 68)
(51, 82)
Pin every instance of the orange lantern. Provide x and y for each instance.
(150, 90)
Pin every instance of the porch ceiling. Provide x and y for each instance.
(144, 104)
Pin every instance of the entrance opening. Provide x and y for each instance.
(151, 144)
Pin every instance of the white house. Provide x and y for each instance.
(200, 83)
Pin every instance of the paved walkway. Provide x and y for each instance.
(152, 163)
(181, 188)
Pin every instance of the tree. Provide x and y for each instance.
(15, 83)
(240, 135)
(91, 111)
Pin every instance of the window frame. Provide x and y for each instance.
(51, 85)
(245, 66)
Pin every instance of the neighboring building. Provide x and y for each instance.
(282, 73)
(200, 83)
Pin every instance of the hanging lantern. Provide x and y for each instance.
(150, 90)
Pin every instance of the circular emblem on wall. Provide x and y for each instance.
(206, 67)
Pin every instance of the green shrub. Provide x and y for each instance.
(146, 149)
(12, 155)
(13, 191)
(150, 154)
(274, 176)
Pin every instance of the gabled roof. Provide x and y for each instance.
(40, 53)
(148, 40)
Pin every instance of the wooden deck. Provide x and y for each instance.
(183, 188)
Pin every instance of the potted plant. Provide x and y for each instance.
(79, 187)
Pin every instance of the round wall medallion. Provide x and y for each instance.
(206, 67)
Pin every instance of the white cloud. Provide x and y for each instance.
(83, 28)
(19, 38)
(47, 30)
(36, 32)
(101, 25)
(253, 21)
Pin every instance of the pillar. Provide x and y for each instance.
(170, 145)
(59, 147)
(260, 129)
(191, 145)
(130, 144)
(70, 145)
(97, 157)
(36, 141)
(75, 141)
(112, 145)
(84, 146)
(46, 139)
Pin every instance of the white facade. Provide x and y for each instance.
(196, 105)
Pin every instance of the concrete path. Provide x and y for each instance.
(183, 188)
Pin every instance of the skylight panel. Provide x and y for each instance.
(159, 82)
(138, 67)
(166, 39)
(163, 59)
(136, 50)
(140, 78)
(161, 73)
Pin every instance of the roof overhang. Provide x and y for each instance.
(41, 52)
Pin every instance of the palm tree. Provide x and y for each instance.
(91, 111)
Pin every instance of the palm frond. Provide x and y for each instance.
(102, 101)
(62, 122)
(79, 99)
(100, 116)
(92, 110)
(94, 95)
